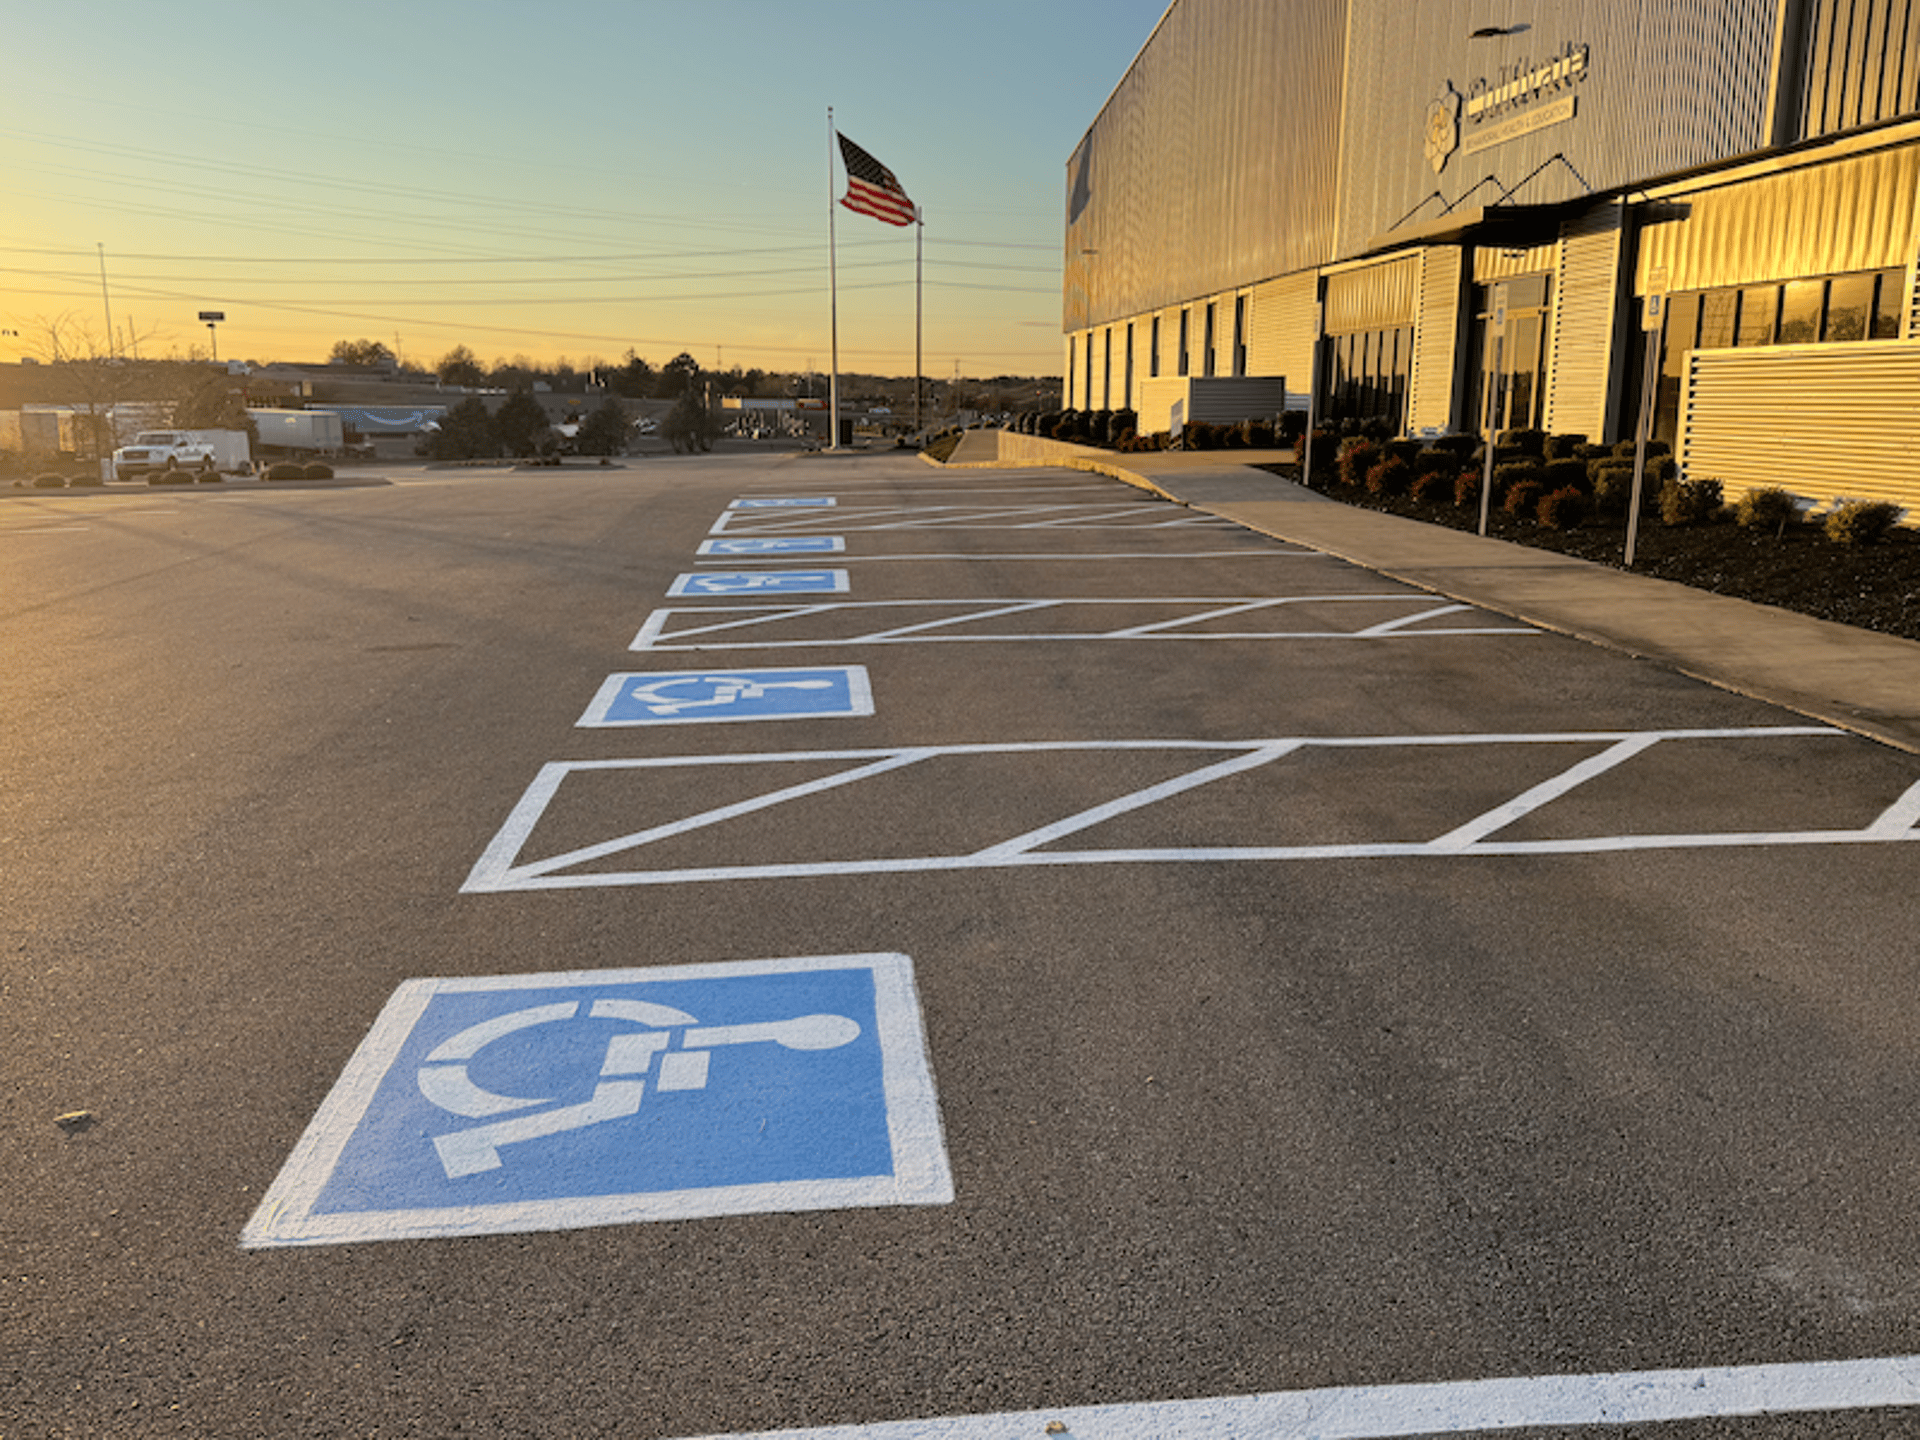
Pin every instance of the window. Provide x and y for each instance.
(1088, 403)
(1206, 352)
(1106, 370)
(1126, 397)
(1887, 305)
(1849, 307)
(1153, 348)
(1802, 303)
(1717, 311)
(1759, 315)
(1239, 335)
(1186, 319)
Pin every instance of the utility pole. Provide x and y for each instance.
(105, 299)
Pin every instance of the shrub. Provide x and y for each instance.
(286, 470)
(1767, 507)
(1516, 472)
(1523, 498)
(1564, 447)
(169, 477)
(1407, 450)
(1689, 502)
(1435, 462)
(1592, 452)
(1390, 476)
(50, 480)
(84, 478)
(1612, 485)
(1567, 472)
(1293, 424)
(1861, 522)
(1121, 422)
(209, 476)
(317, 470)
(1456, 444)
(1357, 457)
(1563, 509)
(1433, 487)
(1528, 442)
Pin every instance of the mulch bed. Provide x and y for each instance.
(1876, 587)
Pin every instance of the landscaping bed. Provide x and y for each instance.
(1874, 586)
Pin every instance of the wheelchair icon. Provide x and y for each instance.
(657, 697)
(444, 1078)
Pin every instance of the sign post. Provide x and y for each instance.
(1497, 332)
(1653, 323)
(212, 318)
(1313, 395)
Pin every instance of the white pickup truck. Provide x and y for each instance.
(202, 450)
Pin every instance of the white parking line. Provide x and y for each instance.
(1467, 1407)
(917, 557)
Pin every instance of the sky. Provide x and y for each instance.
(564, 182)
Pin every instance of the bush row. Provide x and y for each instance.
(1119, 430)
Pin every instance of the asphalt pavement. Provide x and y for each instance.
(1856, 679)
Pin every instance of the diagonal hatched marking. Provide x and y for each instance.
(497, 868)
(655, 634)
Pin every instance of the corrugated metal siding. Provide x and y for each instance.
(1667, 87)
(1855, 214)
(1436, 340)
(1863, 63)
(1490, 264)
(1373, 297)
(1213, 163)
(1829, 421)
(1281, 337)
(1586, 289)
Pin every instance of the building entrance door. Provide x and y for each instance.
(1519, 385)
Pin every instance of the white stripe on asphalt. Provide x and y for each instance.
(1375, 1412)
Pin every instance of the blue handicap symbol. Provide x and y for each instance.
(761, 582)
(549, 1101)
(679, 696)
(773, 545)
(811, 502)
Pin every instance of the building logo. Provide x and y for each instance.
(1443, 128)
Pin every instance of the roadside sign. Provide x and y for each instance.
(773, 545)
(1654, 313)
(501, 1104)
(761, 582)
(686, 697)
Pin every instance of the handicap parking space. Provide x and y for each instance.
(505, 1104)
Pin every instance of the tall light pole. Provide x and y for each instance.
(213, 318)
(105, 300)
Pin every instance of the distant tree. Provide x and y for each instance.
(515, 374)
(523, 426)
(604, 432)
(459, 366)
(365, 353)
(677, 376)
(209, 399)
(467, 432)
(633, 377)
(689, 426)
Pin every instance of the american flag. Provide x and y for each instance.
(871, 188)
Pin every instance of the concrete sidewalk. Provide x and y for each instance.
(1856, 679)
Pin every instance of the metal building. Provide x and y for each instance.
(1452, 216)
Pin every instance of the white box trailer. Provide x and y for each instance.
(313, 431)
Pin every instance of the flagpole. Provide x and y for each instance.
(833, 283)
(919, 229)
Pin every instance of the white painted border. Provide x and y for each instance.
(921, 1172)
(499, 867)
(784, 502)
(859, 697)
(839, 582)
(1467, 1407)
